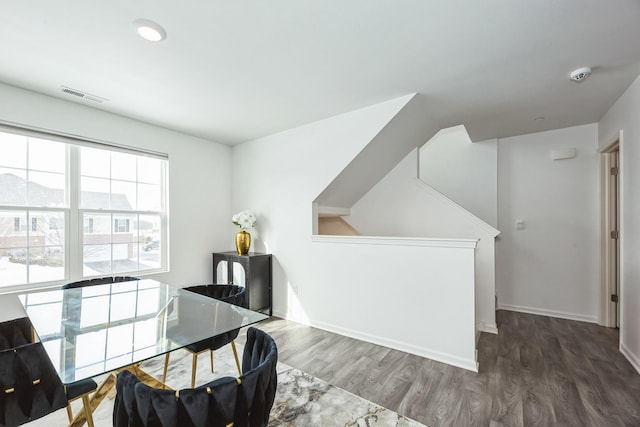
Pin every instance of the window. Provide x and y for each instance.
(88, 225)
(113, 205)
(120, 225)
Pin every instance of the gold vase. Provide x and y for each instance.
(243, 242)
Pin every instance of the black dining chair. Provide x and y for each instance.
(83, 388)
(245, 401)
(29, 385)
(98, 281)
(231, 294)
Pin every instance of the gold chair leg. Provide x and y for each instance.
(235, 354)
(211, 357)
(69, 413)
(164, 372)
(194, 366)
(87, 409)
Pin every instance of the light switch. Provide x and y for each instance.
(520, 225)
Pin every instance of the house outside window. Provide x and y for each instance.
(119, 209)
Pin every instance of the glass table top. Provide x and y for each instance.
(97, 329)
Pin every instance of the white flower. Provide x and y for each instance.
(245, 219)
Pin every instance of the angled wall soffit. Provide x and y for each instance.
(410, 128)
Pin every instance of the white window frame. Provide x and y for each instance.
(74, 226)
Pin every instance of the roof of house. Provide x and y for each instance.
(13, 190)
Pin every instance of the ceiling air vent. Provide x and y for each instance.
(83, 95)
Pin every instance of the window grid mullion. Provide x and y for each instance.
(74, 248)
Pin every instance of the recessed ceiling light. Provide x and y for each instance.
(149, 30)
(580, 74)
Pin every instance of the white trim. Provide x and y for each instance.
(632, 358)
(333, 211)
(606, 284)
(490, 328)
(469, 364)
(398, 241)
(550, 313)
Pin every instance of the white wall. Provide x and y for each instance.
(199, 174)
(341, 288)
(464, 171)
(625, 115)
(551, 266)
(402, 205)
(414, 295)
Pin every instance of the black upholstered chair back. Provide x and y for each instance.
(29, 385)
(259, 381)
(231, 294)
(99, 281)
(245, 402)
(15, 333)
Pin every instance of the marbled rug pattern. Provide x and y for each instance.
(301, 399)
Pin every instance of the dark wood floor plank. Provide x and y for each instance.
(474, 404)
(441, 407)
(538, 371)
(567, 404)
(422, 391)
(357, 377)
(506, 388)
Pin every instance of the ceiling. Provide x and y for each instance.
(232, 71)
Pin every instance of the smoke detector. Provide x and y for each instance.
(580, 75)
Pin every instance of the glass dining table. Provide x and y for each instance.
(92, 330)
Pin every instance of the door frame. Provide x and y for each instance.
(607, 309)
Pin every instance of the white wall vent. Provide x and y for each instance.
(83, 95)
(563, 153)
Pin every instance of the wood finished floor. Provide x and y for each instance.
(539, 371)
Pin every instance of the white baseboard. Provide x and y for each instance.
(490, 328)
(631, 357)
(469, 364)
(550, 313)
(281, 315)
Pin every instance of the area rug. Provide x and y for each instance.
(301, 399)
